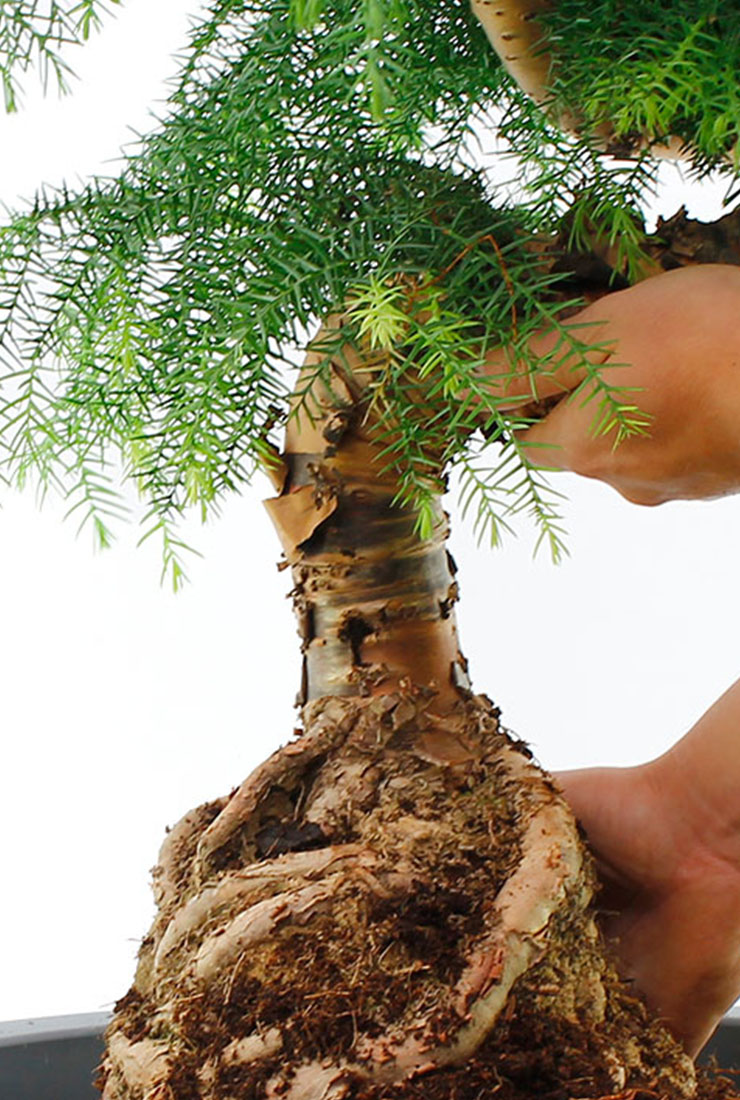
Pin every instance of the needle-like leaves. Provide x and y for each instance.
(37, 34)
(316, 156)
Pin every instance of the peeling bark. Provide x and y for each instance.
(428, 813)
(373, 601)
(397, 903)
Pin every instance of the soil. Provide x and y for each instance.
(397, 904)
(342, 912)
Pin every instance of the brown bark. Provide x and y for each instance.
(374, 602)
(397, 903)
(519, 38)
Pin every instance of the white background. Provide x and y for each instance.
(122, 705)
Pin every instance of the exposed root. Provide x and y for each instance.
(284, 767)
(242, 886)
(444, 919)
(175, 850)
(140, 1068)
(260, 921)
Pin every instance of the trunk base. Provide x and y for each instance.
(397, 904)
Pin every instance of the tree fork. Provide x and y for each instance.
(373, 601)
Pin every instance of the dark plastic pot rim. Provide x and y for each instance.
(45, 1029)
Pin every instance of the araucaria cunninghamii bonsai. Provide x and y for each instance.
(398, 902)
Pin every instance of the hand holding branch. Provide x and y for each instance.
(673, 343)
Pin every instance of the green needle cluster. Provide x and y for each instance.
(315, 156)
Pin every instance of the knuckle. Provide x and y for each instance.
(645, 497)
(586, 458)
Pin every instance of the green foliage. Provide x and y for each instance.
(652, 70)
(316, 156)
(37, 33)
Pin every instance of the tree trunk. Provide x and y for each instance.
(397, 903)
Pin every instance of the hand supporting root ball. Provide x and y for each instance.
(667, 840)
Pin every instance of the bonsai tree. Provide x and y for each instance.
(302, 271)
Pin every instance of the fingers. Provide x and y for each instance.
(564, 440)
(544, 443)
(562, 356)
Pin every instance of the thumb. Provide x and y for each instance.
(560, 439)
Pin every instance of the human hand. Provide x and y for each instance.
(666, 837)
(674, 342)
